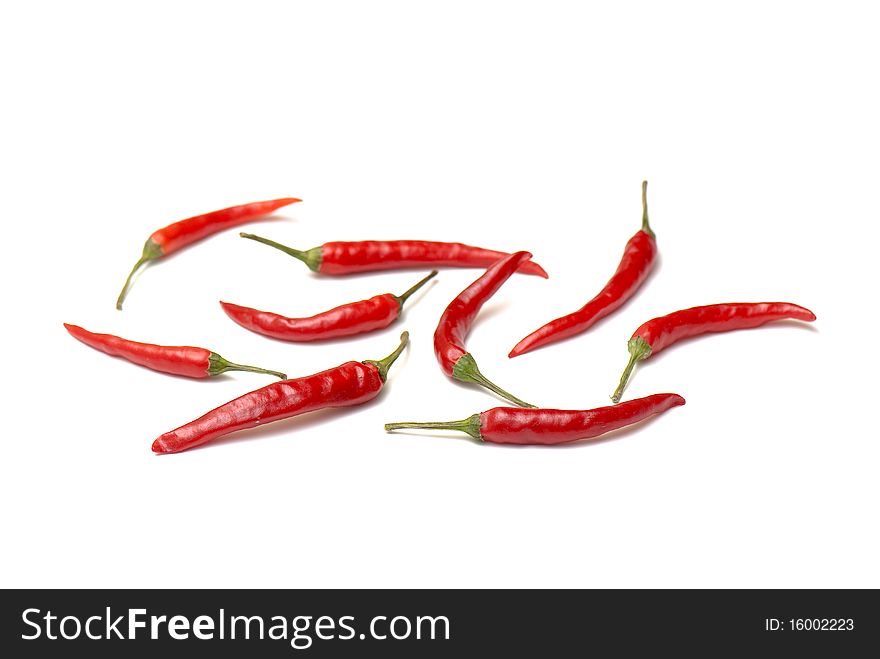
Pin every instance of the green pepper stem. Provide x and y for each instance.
(470, 426)
(311, 257)
(218, 365)
(384, 364)
(152, 250)
(645, 226)
(639, 349)
(405, 296)
(466, 370)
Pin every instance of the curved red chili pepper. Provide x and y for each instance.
(662, 332)
(512, 425)
(343, 258)
(351, 383)
(456, 321)
(180, 234)
(188, 361)
(345, 320)
(635, 265)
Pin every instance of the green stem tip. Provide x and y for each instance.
(218, 365)
(405, 296)
(645, 226)
(384, 364)
(466, 370)
(311, 257)
(639, 349)
(152, 251)
(470, 426)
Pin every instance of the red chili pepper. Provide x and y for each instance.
(662, 332)
(456, 321)
(352, 383)
(512, 425)
(353, 318)
(635, 265)
(180, 234)
(178, 360)
(343, 258)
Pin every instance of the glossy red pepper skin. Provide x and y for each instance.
(342, 258)
(188, 361)
(456, 321)
(548, 427)
(511, 425)
(638, 259)
(185, 232)
(345, 258)
(345, 320)
(660, 333)
(351, 383)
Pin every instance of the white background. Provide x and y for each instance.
(507, 125)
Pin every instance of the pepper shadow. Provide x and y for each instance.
(378, 274)
(489, 312)
(213, 379)
(304, 422)
(773, 326)
(500, 402)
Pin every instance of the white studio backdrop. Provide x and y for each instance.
(507, 125)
